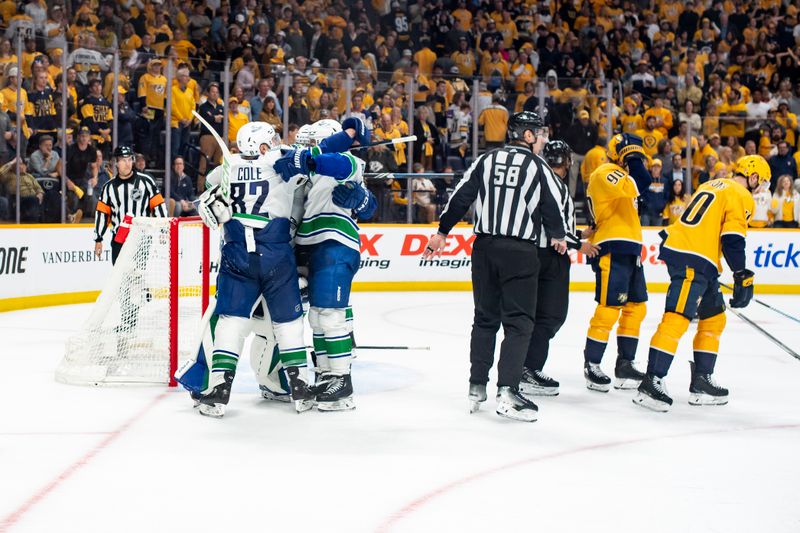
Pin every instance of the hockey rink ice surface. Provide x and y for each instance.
(410, 457)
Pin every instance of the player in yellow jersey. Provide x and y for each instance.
(621, 292)
(714, 224)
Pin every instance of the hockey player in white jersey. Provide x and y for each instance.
(328, 240)
(257, 261)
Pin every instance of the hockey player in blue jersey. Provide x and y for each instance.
(335, 198)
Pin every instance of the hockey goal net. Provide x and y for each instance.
(147, 318)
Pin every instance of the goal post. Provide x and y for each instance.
(146, 321)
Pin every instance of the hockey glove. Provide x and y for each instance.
(362, 133)
(631, 146)
(350, 196)
(742, 288)
(212, 207)
(294, 162)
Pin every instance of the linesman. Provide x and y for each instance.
(513, 193)
(129, 194)
(553, 291)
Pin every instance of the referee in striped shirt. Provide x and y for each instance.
(130, 192)
(514, 194)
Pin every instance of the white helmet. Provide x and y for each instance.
(304, 137)
(252, 135)
(325, 128)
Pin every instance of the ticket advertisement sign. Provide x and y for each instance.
(44, 265)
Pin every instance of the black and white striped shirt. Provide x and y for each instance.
(514, 195)
(137, 196)
(567, 206)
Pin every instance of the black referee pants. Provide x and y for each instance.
(504, 281)
(551, 305)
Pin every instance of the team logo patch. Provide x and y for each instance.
(136, 195)
(622, 297)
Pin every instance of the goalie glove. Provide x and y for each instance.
(742, 288)
(213, 209)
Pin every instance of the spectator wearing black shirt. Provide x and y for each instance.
(79, 156)
(181, 191)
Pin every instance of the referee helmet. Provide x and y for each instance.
(557, 154)
(123, 151)
(519, 123)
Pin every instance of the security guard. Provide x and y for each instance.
(515, 193)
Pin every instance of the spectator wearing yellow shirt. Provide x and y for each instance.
(152, 92)
(462, 15)
(650, 135)
(662, 115)
(631, 120)
(508, 29)
(236, 119)
(494, 119)
(575, 94)
(385, 131)
(494, 64)
(785, 204)
(522, 71)
(528, 92)
(788, 120)
(680, 142)
(732, 115)
(464, 58)
(678, 200)
(425, 57)
(183, 103)
(182, 46)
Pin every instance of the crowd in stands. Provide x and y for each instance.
(701, 81)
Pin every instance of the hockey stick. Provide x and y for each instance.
(765, 333)
(756, 300)
(398, 140)
(359, 347)
(391, 347)
(225, 183)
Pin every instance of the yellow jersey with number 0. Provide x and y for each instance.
(718, 208)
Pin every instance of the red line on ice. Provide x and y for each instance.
(10, 520)
(416, 504)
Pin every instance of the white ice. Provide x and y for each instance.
(410, 457)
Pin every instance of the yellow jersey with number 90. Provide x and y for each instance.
(612, 195)
(719, 207)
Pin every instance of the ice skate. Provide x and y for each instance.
(596, 378)
(537, 383)
(338, 394)
(301, 395)
(213, 404)
(627, 377)
(512, 404)
(477, 395)
(703, 390)
(271, 395)
(653, 394)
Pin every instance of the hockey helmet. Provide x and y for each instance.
(252, 135)
(123, 151)
(754, 164)
(322, 129)
(519, 123)
(557, 153)
(303, 137)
